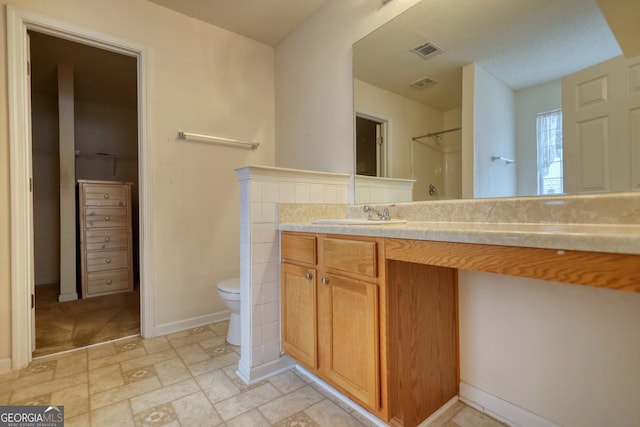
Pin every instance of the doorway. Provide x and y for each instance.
(370, 146)
(84, 128)
(19, 22)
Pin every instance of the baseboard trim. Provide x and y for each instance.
(500, 409)
(427, 422)
(5, 365)
(67, 297)
(194, 322)
(258, 373)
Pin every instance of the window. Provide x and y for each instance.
(549, 137)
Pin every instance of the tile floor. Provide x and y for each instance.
(62, 326)
(183, 379)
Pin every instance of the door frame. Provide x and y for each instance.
(382, 151)
(19, 21)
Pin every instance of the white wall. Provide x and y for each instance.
(530, 102)
(202, 79)
(314, 85)
(493, 136)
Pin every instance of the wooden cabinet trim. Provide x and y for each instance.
(606, 270)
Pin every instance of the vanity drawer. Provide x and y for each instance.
(106, 260)
(96, 217)
(98, 239)
(108, 281)
(105, 195)
(298, 248)
(351, 256)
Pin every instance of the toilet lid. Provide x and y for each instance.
(231, 286)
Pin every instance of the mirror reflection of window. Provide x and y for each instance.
(369, 153)
(549, 139)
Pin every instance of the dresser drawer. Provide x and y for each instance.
(105, 195)
(351, 256)
(298, 248)
(108, 281)
(106, 260)
(98, 239)
(96, 217)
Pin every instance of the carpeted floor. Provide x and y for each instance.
(62, 326)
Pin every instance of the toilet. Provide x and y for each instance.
(229, 291)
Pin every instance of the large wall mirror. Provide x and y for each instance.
(502, 98)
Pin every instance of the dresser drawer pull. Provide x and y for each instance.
(308, 276)
(324, 281)
(109, 281)
(107, 218)
(106, 195)
(108, 260)
(107, 239)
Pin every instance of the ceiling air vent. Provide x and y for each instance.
(426, 50)
(423, 83)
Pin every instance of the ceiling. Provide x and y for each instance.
(522, 43)
(266, 21)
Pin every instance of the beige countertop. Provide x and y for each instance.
(585, 223)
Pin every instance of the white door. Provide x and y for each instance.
(601, 127)
(32, 284)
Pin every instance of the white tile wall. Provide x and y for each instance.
(262, 188)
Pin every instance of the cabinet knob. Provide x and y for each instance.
(107, 218)
(106, 195)
(308, 276)
(109, 281)
(324, 280)
(107, 239)
(108, 260)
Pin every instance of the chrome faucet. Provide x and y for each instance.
(382, 216)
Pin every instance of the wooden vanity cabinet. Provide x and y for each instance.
(331, 312)
(382, 331)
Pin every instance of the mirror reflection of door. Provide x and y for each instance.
(369, 146)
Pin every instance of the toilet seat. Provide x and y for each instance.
(230, 286)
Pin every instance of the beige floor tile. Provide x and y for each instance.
(139, 374)
(298, 419)
(289, 404)
(118, 357)
(196, 410)
(156, 344)
(123, 392)
(117, 414)
(105, 378)
(252, 418)
(5, 397)
(469, 417)
(217, 386)
(192, 353)
(247, 401)
(326, 413)
(23, 394)
(71, 365)
(12, 375)
(78, 421)
(214, 363)
(102, 350)
(172, 371)
(74, 399)
(148, 359)
(212, 342)
(220, 328)
(448, 414)
(191, 338)
(27, 380)
(287, 382)
(163, 395)
(160, 415)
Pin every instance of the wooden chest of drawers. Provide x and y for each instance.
(106, 249)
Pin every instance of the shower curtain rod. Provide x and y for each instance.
(429, 135)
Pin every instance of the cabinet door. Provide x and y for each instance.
(354, 354)
(299, 326)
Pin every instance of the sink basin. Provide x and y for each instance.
(358, 221)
